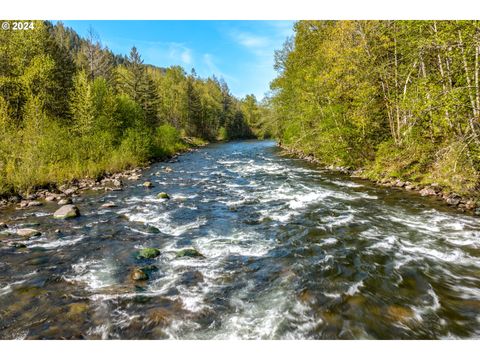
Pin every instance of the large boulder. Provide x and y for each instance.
(148, 253)
(67, 212)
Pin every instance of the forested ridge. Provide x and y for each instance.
(395, 99)
(70, 108)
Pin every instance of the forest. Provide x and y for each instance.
(390, 99)
(70, 109)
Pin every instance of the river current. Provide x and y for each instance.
(290, 251)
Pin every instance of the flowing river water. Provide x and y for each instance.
(291, 251)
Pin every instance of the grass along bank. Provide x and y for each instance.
(386, 175)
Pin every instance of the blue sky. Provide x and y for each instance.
(239, 51)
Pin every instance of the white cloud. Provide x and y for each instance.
(212, 68)
(187, 56)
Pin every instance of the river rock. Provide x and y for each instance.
(189, 253)
(138, 275)
(108, 205)
(148, 253)
(163, 195)
(427, 192)
(65, 201)
(66, 212)
(34, 203)
(18, 245)
(453, 200)
(147, 184)
(3, 225)
(27, 232)
(168, 169)
(70, 191)
(191, 278)
(469, 205)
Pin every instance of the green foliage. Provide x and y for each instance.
(71, 109)
(397, 98)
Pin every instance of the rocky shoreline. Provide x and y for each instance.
(463, 204)
(63, 194)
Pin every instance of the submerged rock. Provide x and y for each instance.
(18, 245)
(191, 278)
(76, 309)
(148, 253)
(108, 205)
(138, 275)
(27, 232)
(189, 253)
(67, 212)
(399, 313)
(163, 195)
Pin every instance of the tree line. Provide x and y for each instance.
(397, 99)
(71, 108)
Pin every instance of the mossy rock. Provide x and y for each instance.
(189, 253)
(148, 253)
(152, 230)
(163, 195)
(147, 184)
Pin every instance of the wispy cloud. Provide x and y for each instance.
(180, 52)
(212, 68)
(158, 52)
(249, 40)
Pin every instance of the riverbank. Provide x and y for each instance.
(464, 204)
(108, 181)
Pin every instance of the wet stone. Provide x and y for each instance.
(163, 195)
(65, 201)
(148, 253)
(67, 212)
(108, 205)
(138, 275)
(147, 184)
(189, 253)
(27, 232)
(399, 313)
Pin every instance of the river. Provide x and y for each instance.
(291, 251)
